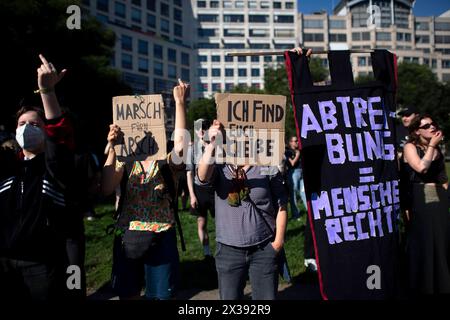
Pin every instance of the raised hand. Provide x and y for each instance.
(436, 139)
(181, 91)
(115, 135)
(300, 51)
(48, 76)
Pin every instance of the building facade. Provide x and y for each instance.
(161, 40)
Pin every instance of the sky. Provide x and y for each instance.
(421, 7)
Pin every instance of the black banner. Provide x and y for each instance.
(347, 138)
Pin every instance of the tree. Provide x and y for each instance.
(204, 108)
(418, 86)
(32, 27)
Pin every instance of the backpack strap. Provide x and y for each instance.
(168, 180)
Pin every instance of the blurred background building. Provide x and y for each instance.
(161, 40)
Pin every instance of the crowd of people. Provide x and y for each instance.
(43, 186)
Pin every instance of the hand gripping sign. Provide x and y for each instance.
(347, 137)
(254, 127)
(141, 119)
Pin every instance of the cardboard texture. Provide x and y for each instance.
(254, 126)
(141, 119)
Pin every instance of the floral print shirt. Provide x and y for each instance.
(147, 201)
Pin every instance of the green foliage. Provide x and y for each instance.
(201, 108)
(318, 72)
(418, 86)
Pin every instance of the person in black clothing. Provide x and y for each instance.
(408, 115)
(35, 197)
(429, 234)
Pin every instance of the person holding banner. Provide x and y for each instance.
(251, 218)
(145, 246)
(35, 198)
(294, 175)
(429, 234)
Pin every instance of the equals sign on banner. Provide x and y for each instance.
(366, 175)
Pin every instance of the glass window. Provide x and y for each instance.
(127, 43)
(135, 15)
(227, 4)
(151, 5)
(165, 25)
(234, 33)
(252, 4)
(229, 86)
(185, 74)
(233, 18)
(277, 5)
(258, 18)
(267, 59)
(361, 61)
(206, 32)
(158, 68)
(337, 24)
(178, 15)
(164, 9)
(158, 51)
(338, 37)
(202, 58)
(136, 2)
(215, 72)
(103, 5)
(127, 61)
(239, 4)
(143, 64)
(283, 19)
(172, 55)
(234, 46)
(229, 59)
(229, 72)
(185, 58)
(120, 9)
(255, 72)
(313, 37)
(143, 47)
(171, 71)
(422, 39)
(422, 25)
(259, 45)
(313, 24)
(151, 21)
(203, 72)
(177, 30)
(259, 33)
(383, 36)
(289, 5)
(208, 17)
(214, 4)
(242, 59)
(242, 72)
(265, 4)
(442, 26)
(216, 87)
(201, 4)
(215, 58)
(255, 59)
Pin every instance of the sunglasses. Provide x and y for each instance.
(428, 125)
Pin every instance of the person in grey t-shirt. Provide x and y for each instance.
(250, 205)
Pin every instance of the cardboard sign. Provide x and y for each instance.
(141, 119)
(254, 126)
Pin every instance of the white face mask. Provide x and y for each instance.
(29, 137)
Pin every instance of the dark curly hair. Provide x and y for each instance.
(414, 138)
(25, 109)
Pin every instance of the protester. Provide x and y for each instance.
(35, 198)
(145, 247)
(294, 176)
(408, 115)
(429, 234)
(251, 216)
(201, 195)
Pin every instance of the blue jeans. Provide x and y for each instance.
(158, 268)
(296, 189)
(234, 264)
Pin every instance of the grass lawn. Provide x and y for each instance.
(194, 273)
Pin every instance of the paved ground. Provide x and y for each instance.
(304, 287)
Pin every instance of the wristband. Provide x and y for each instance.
(44, 90)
